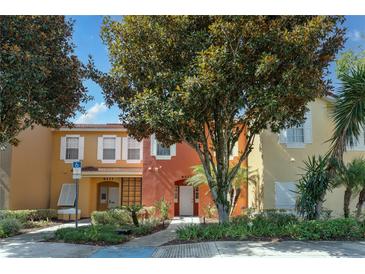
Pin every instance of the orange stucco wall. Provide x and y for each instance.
(31, 170)
(159, 177)
(62, 172)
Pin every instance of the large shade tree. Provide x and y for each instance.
(207, 80)
(40, 76)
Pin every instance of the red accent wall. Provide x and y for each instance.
(160, 176)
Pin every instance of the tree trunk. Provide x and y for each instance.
(360, 203)
(318, 208)
(223, 213)
(346, 202)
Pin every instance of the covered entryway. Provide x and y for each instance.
(108, 195)
(186, 199)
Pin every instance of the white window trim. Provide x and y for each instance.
(161, 157)
(140, 153)
(109, 161)
(70, 161)
(307, 131)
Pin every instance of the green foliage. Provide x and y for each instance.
(143, 229)
(276, 225)
(209, 80)
(349, 60)
(116, 217)
(210, 210)
(348, 111)
(133, 210)
(163, 207)
(95, 234)
(41, 77)
(352, 177)
(335, 229)
(312, 187)
(30, 215)
(9, 227)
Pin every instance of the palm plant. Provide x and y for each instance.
(348, 113)
(242, 178)
(313, 186)
(352, 176)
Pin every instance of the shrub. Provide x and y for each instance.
(336, 229)
(116, 217)
(29, 215)
(275, 225)
(9, 227)
(312, 187)
(163, 207)
(96, 234)
(133, 211)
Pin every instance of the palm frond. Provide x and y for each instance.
(348, 111)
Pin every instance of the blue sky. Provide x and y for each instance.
(87, 40)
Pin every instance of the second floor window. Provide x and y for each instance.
(162, 150)
(72, 148)
(109, 148)
(295, 134)
(134, 149)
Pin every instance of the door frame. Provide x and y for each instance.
(103, 207)
(176, 197)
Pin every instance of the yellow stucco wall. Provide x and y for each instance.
(62, 172)
(282, 164)
(31, 169)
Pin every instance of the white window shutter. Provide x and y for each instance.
(282, 136)
(100, 148)
(308, 128)
(118, 145)
(173, 150)
(285, 196)
(125, 148)
(67, 196)
(63, 148)
(153, 145)
(81, 148)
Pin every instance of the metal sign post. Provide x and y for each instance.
(76, 175)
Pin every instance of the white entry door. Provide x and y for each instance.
(113, 197)
(186, 200)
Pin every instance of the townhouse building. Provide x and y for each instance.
(119, 170)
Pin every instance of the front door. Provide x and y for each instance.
(186, 200)
(113, 195)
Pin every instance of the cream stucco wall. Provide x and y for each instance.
(256, 169)
(31, 169)
(282, 164)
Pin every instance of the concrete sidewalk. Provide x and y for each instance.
(31, 245)
(285, 249)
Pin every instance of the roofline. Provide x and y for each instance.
(90, 129)
(111, 174)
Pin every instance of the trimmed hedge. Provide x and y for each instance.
(116, 217)
(31, 215)
(275, 225)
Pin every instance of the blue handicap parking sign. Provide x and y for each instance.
(76, 164)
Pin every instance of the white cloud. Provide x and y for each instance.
(357, 35)
(91, 114)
